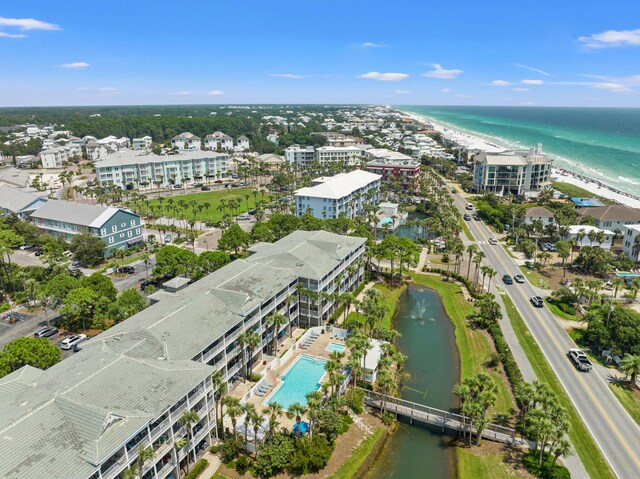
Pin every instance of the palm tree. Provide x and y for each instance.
(630, 365)
(490, 273)
(144, 454)
(188, 419)
(177, 446)
(273, 410)
(296, 410)
(249, 410)
(249, 340)
(276, 320)
(233, 410)
(256, 420)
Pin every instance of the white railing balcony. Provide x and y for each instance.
(233, 352)
(176, 414)
(163, 449)
(115, 469)
(233, 337)
(164, 472)
(196, 396)
(212, 353)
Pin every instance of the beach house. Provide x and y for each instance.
(143, 143)
(538, 213)
(613, 217)
(18, 202)
(218, 141)
(586, 235)
(186, 142)
(631, 241)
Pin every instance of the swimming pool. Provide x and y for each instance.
(628, 275)
(335, 348)
(387, 220)
(302, 377)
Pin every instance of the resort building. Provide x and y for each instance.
(538, 213)
(394, 166)
(186, 142)
(372, 361)
(57, 157)
(14, 177)
(390, 217)
(131, 170)
(143, 143)
(118, 228)
(273, 138)
(18, 202)
(218, 141)
(87, 416)
(342, 195)
(345, 155)
(519, 173)
(612, 216)
(242, 143)
(303, 157)
(590, 236)
(631, 241)
(97, 149)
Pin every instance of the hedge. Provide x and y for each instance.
(198, 469)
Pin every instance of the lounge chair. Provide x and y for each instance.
(259, 393)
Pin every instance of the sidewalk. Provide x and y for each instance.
(214, 464)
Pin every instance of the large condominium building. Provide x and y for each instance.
(14, 201)
(394, 166)
(186, 142)
(130, 169)
(218, 141)
(340, 195)
(87, 416)
(56, 157)
(345, 155)
(118, 228)
(143, 143)
(512, 172)
(97, 149)
(303, 157)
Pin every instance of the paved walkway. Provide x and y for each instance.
(214, 464)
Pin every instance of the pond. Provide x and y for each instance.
(427, 338)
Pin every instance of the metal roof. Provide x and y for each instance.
(340, 185)
(93, 216)
(15, 200)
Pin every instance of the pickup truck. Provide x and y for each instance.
(580, 360)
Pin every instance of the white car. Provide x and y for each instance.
(493, 241)
(71, 341)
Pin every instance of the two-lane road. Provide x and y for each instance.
(611, 426)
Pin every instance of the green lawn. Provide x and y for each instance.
(572, 190)
(391, 297)
(491, 466)
(535, 278)
(349, 468)
(219, 475)
(557, 312)
(213, 214)
(585, 446)
(473, 346)
(628, 397)
(465, 228)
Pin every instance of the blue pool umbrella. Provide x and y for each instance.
(304, 427)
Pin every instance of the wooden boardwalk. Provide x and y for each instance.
(443, 419)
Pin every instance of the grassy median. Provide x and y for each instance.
(360, 454)
(586, 448)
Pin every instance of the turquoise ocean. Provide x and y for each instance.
(602, 143)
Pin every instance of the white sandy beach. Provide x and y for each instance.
(563, 175)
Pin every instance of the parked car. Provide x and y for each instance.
(467, 217)
(45, 332)
(205, 188)
(476, 217)
(493, 241)
(145, 284)
(543, 246)
(176, 187)
(68, 254)
(552, 247)
(26, 247)
(126, 269)
(580, 360)
(506, 279)
(537, 301)
(71, 341)
(218, 181)
(244, 216)
(39, 252)
(469, 206)
(519, 278)
(167, 238)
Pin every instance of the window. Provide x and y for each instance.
(129, 234)
(137, 231)
(114, 228)
(133, 222)
(121, 235)
(122, 225)
(110, 239)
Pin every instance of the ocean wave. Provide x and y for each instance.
(628, 180)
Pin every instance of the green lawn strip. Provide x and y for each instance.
(219, 475)
(473, 347)
(573, 190)
(360, 454)
(628, 397)
(490, 466)
(212, 214)
(535, 278)
(586, 448)
(558, 312)
(391, 296)
(465, 228)
(506, 248)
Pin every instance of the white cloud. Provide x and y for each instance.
(614, 87)
(287, 75)
(463, 96)
(372, 45)
(12, 35)
(182, 93)
(612, 38)
(442, 73)
(384, 76)
(402, 92)
(532, 82)
(500, 83)
(75, 65)
(82, 88)
(446, 90)
(215, 92)
(27, 24)
(532, 69)
(520, 89)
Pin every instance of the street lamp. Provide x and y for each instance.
(206, 245)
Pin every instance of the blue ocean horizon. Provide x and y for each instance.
(602, 143)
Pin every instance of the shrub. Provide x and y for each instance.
(231, 448)
(214, 449)
(544, 471)
(311, 455)
(4, 307)
(566, 308)
(254, 378)
(242, 464)
(274, 455)
(347, 421)
(196, 470)
(329, 423)
(356, 402)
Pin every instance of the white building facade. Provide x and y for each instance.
(218, 141)
(57, 156)
(186, 142)
(143, 143)
(303, 157)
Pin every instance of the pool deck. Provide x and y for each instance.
(317, 349)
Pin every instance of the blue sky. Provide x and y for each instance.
(255, 51)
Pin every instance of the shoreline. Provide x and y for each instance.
(561, 174)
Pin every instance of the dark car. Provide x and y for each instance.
(218, 181)
(45, 332)
(537, 301)
(506, 279)
(39, 252)
(205, 188)
(467, 217)
(476, 217)
(126, 269)
(145, 284)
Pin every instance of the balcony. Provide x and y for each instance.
(115, 469)
(211, 353)
(164, 472)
